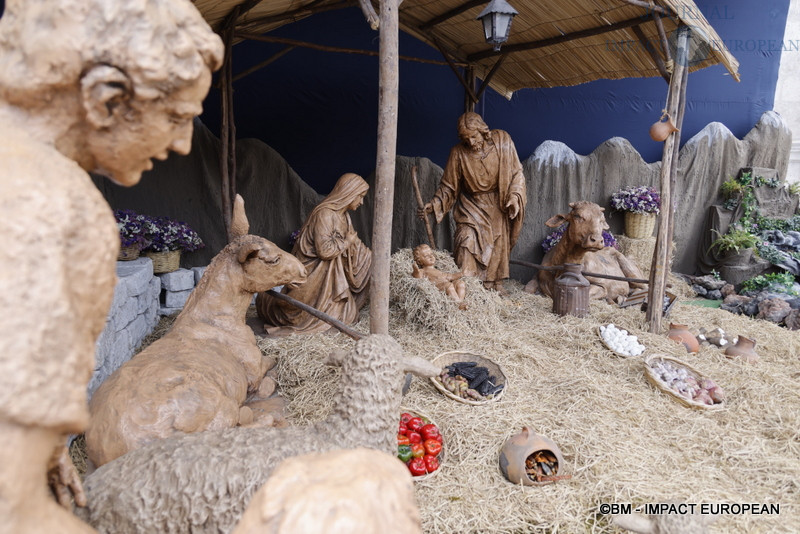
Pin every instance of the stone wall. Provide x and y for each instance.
(140, 299)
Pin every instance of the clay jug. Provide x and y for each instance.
(681, 334)
(571, 292)
(744, 349)
(661, 129)
(518, 448)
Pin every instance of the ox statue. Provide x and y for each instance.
(199, 375)
(583, 243)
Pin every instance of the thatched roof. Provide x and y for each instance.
(552, 43)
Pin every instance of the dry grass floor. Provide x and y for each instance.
(623, 440)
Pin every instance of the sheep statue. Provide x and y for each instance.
(304, 494)
(202, 482)
(198, 376)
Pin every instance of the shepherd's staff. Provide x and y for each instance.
(422, 205)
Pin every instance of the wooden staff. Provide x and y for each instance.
(422, 206)
(340, 326)
(584, 273)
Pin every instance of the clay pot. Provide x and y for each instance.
(681, 334)
(516, 451)
(744, 349)
(661, 129)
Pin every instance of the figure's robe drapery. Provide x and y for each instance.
(477, 190)
(338, 272)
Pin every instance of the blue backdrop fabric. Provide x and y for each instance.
(319, 109)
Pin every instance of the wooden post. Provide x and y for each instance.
(669, 168)
(470, 98)
(224, 147)
(384, 167)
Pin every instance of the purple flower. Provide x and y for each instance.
(131, 228)
(166, 234)
(638, 199)
(555, 236)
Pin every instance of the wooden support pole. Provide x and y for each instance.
(470, 98)
(652, 52)
(421, 204)
(451, 64)
(263, 64)
(226, 87)
(388, 83)
(659, 269)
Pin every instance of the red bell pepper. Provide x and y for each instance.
(402, 429)
(439, 438)
(404, 417)
(432, 447)
(402, 440)
(417, 467)
(414, 424)
(429, 431)
(415, 437)
(431, 463)
(417, 450)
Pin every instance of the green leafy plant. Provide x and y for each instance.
(736, 240)
(716, 274)
(779, 282)
(794, 188)
(731, 188)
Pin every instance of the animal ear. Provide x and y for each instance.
(572, 204)
(239, 225)
(556, 220)
(104, 90)
(248, 251)
(335, 358)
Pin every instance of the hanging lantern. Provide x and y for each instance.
(496, 18)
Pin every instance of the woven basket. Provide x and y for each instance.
(448, 358)
(440, 456)
(606, 345)
(639, 225)
(651, 376)
(128, 253)
(165, 262)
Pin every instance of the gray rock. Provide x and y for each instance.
(179, 280)
(700, 290)
(176, 299)
(773, 309)
(716, 294)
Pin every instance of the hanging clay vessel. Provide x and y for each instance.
(571, 292)
(661, 129)
(522, 451)
(681, 334)
(744, 349)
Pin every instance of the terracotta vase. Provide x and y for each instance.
(681, 334)
(659, 131)
(518, 448)
(744, 349)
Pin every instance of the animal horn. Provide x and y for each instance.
(419, 366)
(239, 225)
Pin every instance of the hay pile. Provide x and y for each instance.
(623, 441)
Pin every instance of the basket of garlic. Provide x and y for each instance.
(619, 342)
(683, 383)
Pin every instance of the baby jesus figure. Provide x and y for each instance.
(450, 283)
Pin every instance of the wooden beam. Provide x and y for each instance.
(470, 98)
(651, 50)
(491, 74)
(388, 88)
(451, 64)
(452, 13)
(226, 89)
(297, 14)
(532, 45)
(324, 48)
(336, 323)
(263, 64)
(650, 7)
(659, 269)
(663, 35)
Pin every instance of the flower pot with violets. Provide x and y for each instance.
(167, 238)
(641, 204)
(131, 234)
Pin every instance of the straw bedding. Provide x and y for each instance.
(623, 440)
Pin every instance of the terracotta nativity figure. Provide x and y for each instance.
(338, 265)
(85, 85)
(450, 283)
(484, 186)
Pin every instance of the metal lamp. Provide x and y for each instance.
(496, 18)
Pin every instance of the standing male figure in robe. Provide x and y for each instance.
(484, 186)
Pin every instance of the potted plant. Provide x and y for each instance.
(641, 204)
(166, 239)
(131, 234)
